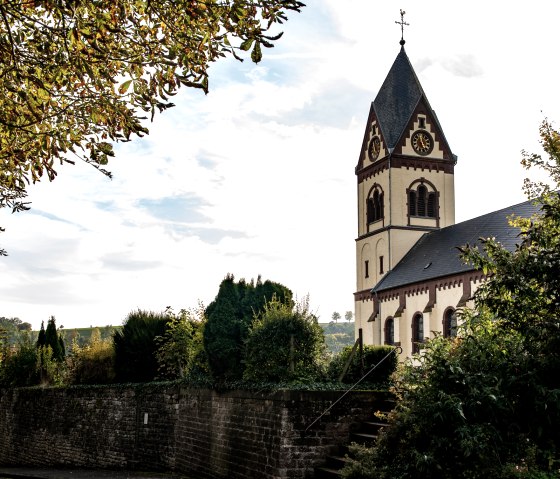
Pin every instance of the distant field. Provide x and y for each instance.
(83, 335)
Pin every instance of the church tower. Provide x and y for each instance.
(405, 184)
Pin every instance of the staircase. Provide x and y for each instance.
(366, 434)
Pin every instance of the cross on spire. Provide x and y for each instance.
(402, 23)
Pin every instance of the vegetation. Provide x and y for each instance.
(93, 363)
(285, 343)
(180, 352)
(338, 335)
(13, 329)
(135, 346)
(77, 76)
(19, 367)
(373, 356)
(487, 405)
(252, 335)
(229, 318)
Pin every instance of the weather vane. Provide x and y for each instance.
(402, 23)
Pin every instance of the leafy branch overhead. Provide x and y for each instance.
(75, 77)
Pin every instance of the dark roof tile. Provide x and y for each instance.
(436, 255)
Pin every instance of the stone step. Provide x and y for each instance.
(327, 473)
(365, 435)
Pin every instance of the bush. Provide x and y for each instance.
(372, 356)
(19, 368)
(285, 344)
(94, 363)
(135, 346)
(180, 350)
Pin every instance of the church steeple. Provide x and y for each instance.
(405, 178)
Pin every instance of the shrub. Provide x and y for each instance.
(180, 350)
(285, 343)
(372, 356)
(19, 367)
(135, 346)
(94, 363)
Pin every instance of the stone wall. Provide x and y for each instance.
(204, 433)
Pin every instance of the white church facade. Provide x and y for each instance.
(410, 279)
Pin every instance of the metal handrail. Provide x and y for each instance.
(397, 348)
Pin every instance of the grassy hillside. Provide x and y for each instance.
(82, 335)
(338, 335)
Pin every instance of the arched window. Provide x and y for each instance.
(390, 331)
(417, 332)
(375, 205)
(450, 323)
(422, 202)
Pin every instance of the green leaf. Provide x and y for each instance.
(256, 54)
(124, 87)
(246, 45)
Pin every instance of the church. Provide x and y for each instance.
(410, 279)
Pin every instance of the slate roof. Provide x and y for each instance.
(394, 104)
(438, 249)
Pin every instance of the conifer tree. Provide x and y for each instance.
(42, 340)
(230, 316)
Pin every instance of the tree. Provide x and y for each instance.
(336, 316)
(42, 339)
(54, 340)
(487, 404)
(285, 343)
(75, 77)
(229, 318)
(348, 316)
(135, 346)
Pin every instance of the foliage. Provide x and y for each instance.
(135, 346)
(372, 355)
(13, 327)
(19, 366)
(180, 350)
(93, 363)
(338, 335)
(53, 340)
(348, 316)
(336, 316)
(487, 404)
(77, 76)
(52, 371)
(42, 338)
(285, 343)
(229, 318)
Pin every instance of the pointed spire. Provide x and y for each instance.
(397, 98)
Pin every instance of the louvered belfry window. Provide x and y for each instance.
(375, 207)
(422, 203)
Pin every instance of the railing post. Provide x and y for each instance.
(361, 350)
(292, 354)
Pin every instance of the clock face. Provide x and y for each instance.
(422, 142)
(374, 148)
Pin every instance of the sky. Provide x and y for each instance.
(257, 177)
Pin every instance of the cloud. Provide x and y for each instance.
(460, 65)
(176, 208)
(463, 66)
(124, 261)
